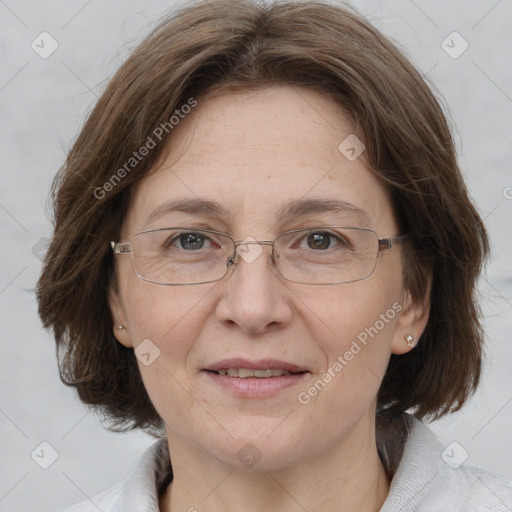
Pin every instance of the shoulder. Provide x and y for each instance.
(138, 492)
(479, 489)
(428, 480)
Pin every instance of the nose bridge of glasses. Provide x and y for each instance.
(252, 242)
(249, 258)
(258, 242)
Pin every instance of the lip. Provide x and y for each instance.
(254, 387)
(261, 364)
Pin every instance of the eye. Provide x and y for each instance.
(189, 241)
(322, 240)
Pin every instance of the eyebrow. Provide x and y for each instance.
(295, 208)
(305, 207)
(194, 206)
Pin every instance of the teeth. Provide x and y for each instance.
(244, 373)
(263, 373)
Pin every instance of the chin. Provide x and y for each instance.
(254, 457)
(263, 450)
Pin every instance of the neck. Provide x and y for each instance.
(348, 477)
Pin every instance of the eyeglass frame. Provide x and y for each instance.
(384, 244)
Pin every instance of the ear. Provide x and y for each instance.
(411, 322)
(119, 320)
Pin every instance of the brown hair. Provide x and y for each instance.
(240, 44)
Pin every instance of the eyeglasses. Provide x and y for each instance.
(322, 255)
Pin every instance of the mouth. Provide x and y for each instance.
(245, 373)
(255, 379)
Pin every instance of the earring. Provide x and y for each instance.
(120, 327)
(409, 338)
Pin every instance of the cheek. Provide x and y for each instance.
(165, 322)
(354, 329)
(162, 312)
(344, 312)
(172, 320)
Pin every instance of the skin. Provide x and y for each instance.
(251, 152)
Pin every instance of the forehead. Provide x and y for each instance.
(261, 157)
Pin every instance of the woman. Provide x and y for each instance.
(264, 250)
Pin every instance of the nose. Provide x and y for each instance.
(254, 296)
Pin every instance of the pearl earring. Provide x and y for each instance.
(409, 338)
(120, 327)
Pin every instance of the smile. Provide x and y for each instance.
(249, 383)
(244, 373)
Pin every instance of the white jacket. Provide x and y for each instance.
(423, 482)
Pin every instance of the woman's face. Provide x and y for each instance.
(252, 153)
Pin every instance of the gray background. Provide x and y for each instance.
(43, 103)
